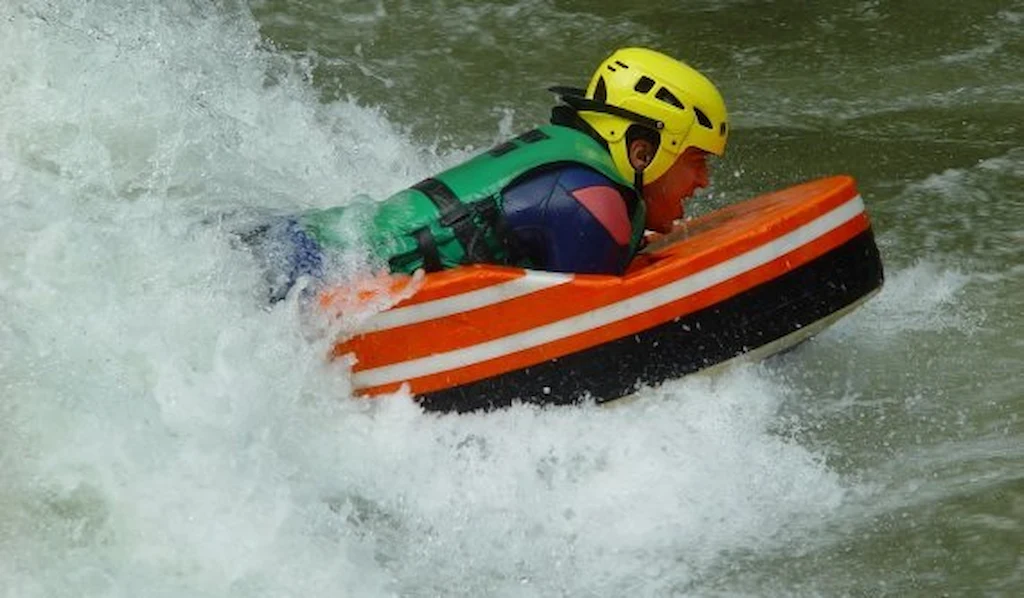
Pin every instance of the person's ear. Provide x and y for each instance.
(641, 154)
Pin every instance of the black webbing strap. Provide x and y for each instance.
(459, 217)
(489, 211)
(427, 248)
(576, 97)
(443, 198)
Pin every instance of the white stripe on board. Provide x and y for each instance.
(531, 282)
(608, 314)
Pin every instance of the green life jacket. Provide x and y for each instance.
(456, 216)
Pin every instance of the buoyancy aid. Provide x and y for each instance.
(456, 216)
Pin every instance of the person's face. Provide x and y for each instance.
(664, 197)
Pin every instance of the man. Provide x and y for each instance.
(573, 196)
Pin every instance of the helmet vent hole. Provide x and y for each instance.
(644, 84)
(703, 119)
(622, 64)
(600, 91)
(669, 98)
(721, 130)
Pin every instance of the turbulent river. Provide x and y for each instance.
(164, 433)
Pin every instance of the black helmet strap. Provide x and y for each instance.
(576, 98)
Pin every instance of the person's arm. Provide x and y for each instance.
(285, 252)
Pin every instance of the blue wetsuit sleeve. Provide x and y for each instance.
(570, 219)
(286, 252)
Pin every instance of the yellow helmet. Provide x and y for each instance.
(641, 86)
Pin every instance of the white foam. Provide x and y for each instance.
(588, 500)
(152, 438)
(923, 297)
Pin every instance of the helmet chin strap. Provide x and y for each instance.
(638, 174)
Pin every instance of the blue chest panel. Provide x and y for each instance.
(555, 230)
